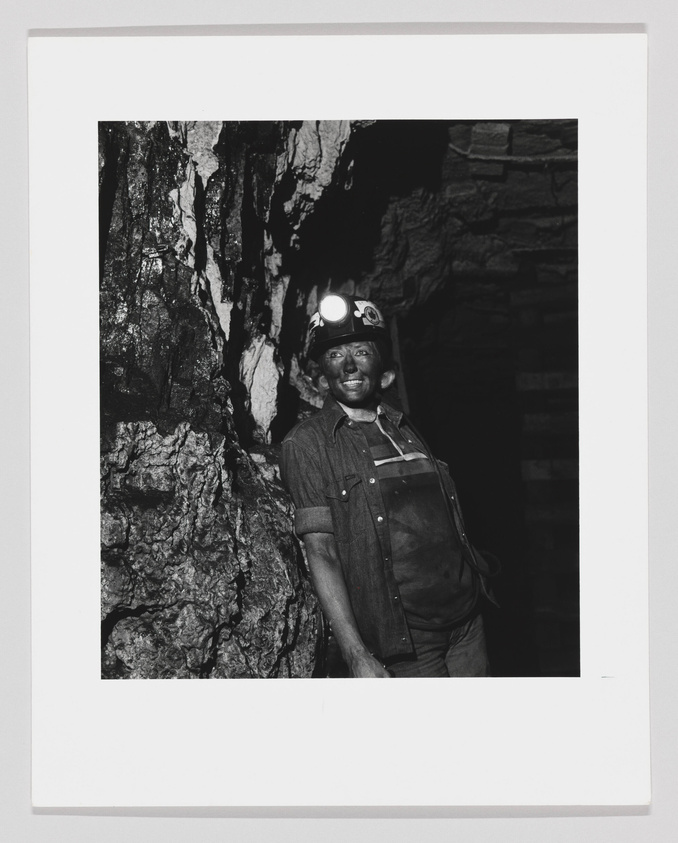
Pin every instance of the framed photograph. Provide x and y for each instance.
(487, 194)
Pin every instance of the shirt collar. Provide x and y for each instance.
(334, 415)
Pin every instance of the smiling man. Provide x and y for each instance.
(386, 545)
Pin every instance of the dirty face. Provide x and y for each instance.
(354, 373)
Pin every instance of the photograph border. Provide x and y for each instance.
(148, 731)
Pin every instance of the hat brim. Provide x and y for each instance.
(320, 346)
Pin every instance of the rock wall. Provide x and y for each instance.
(201, 574)
(491, 363)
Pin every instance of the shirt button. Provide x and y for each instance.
(386, 558)
(396, 597)
(343, 491)
(403, 639)
(380, 518)
(372, 480)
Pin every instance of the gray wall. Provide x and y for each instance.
(660, 823)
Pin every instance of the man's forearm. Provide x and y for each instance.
(330, 587)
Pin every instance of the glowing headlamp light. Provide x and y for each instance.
(341, 319)
(333, 309)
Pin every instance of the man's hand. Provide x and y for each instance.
(365, 666)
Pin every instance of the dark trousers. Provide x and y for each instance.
(458, 652)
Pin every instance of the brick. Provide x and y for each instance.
(552, 514)
(528, 381)
(551, 422)
(549, 469)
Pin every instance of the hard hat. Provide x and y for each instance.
(343, 319)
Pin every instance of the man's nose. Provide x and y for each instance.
(349, 363)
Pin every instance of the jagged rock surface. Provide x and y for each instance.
(201, 574)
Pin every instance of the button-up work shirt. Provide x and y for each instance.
(327, 467)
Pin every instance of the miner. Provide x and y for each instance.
(387, 549)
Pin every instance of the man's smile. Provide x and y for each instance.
(353, 373)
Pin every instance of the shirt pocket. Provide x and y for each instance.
(350, 512)
(342, 490)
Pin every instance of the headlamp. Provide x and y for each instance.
(333, 309)
(343, 319)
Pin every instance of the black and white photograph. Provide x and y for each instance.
(338, 374)
(339, 398)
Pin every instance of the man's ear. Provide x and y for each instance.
(387, 378)
(322, 380)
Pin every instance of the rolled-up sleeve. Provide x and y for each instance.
(301, 474)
